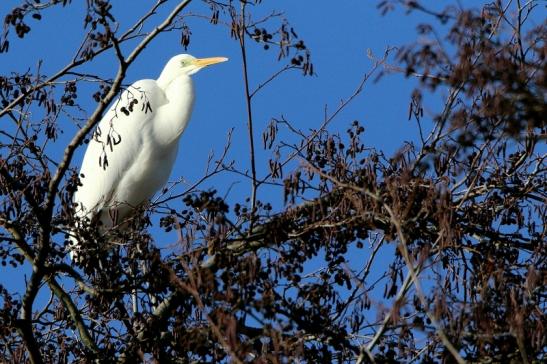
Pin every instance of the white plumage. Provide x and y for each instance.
(132, 152)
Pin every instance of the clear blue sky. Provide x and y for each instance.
(337, 33)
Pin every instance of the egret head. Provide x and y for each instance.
(188, 65)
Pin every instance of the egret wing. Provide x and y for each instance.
(115, 145)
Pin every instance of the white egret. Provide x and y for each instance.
(132, 152)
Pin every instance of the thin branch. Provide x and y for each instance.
(74, 313)
(191, 289)
(248, 102)
(270, 79)
(407, 283)
(329, 119)
(414, 276)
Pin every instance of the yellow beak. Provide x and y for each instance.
(204, 62)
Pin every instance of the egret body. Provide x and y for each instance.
(134, 147)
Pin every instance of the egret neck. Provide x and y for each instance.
(172, 118)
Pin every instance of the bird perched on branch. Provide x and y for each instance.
(134, 147)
